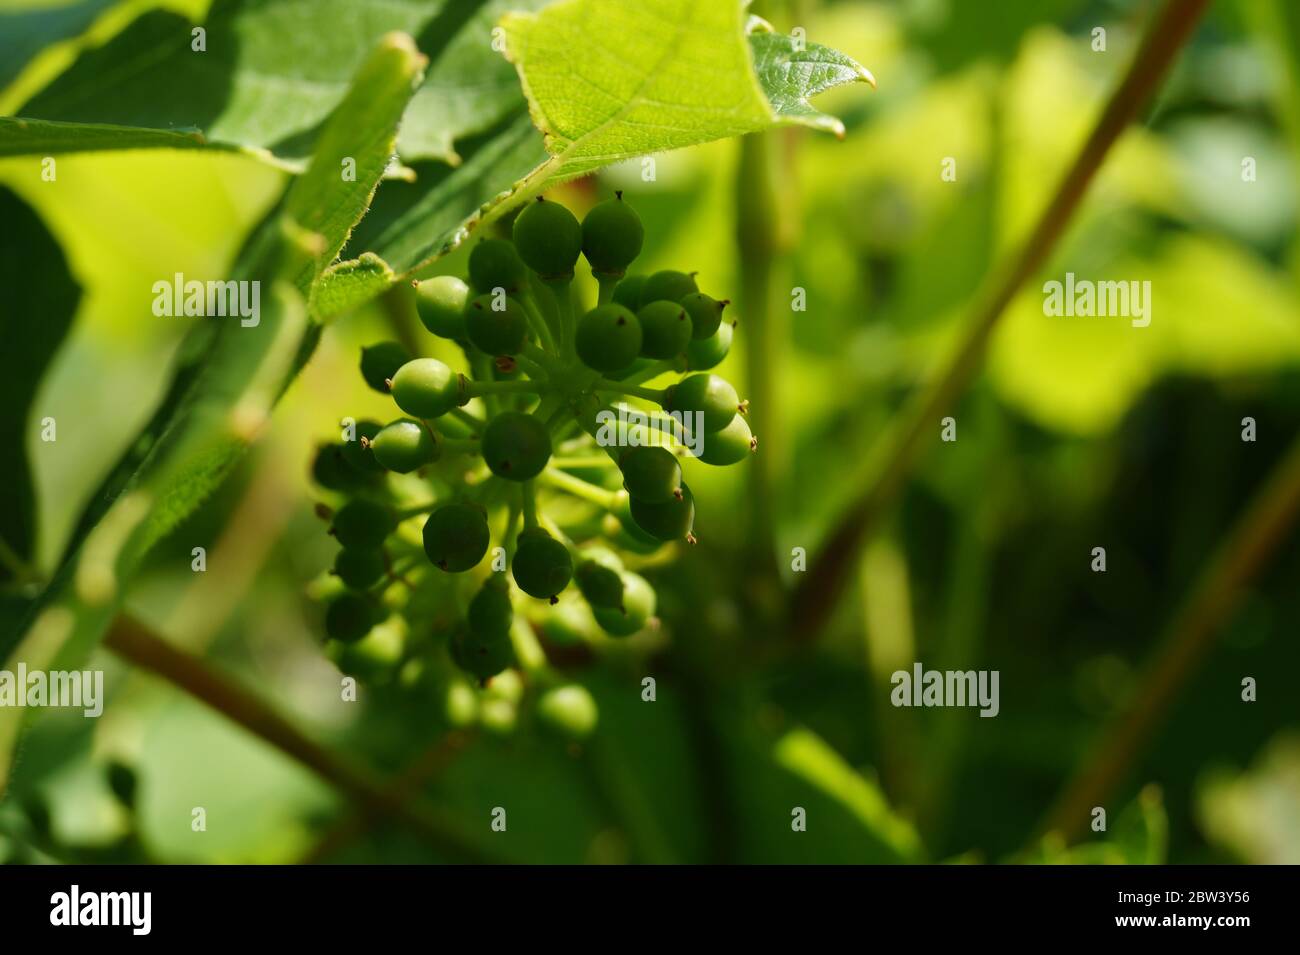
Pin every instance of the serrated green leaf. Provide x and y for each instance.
(607, 81)
(346, 285)
(34, 281)
(791, 71)
(40, 137)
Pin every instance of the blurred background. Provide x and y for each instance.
(1078, 433)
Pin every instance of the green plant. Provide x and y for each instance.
(485, 453)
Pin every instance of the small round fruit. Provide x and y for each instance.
(362, 523)
(598, 576)
(349, 617)
(705, 313)
(608, 338)
(359, 568)
(456, 537)
(548, 239)
(440, 303)
(668, 284)
(712, 397)
(569, 711)
(709, 353)
(404, 446)
(331, 470)
(493, 264)
(496, 325)
(628, 292)
(483, 655)
(516, 445)
(380, 361)
(666, 520)
(731, 445)
(426, 388)
(542, 566)
(357, 451)
(490, 613)
(623, 531)
(638, 607)
(665, 329)
(652, 474)
(612, 235)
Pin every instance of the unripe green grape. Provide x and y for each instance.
(456, 537)
(569, 710)
(612, 235)
(542, 566)
(709, 395)
(608, 338)
(709, 353)
(731, 445)
(667, 520)
(665, 329)
(380, 361)
(482, 654)
(497, 326)
(362, 523)
(670, 285)
(440, 303)
(493, 264)
(357, 451)
(628, 292)
(426, 388)
(403, 446)
(516, 445)
(705, 313)
(638, 607)
(624, 532)
(567, 624)
(598, 576)
(349, 617)
(548, 238)
(360, 568)
(490, 612)
(331, 470)
(650, 473)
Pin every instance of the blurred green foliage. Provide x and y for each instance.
(1080, 433)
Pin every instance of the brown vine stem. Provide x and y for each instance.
(819, 590)
(136, 644)
(1246, 548)
(427, 766)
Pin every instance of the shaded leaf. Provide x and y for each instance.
(40, 299)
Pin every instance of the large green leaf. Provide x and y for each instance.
(229, 377)
(26, 31)
(40, 298)
(608, 81)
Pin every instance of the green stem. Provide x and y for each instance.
(604, 385)
(576, 486)
(561, 289)
(606, 283)
(476, 389)
(529, 494)
(473, 420)
(581, 461)
(548, 362)
(653, 370)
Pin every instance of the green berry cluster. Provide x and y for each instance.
(516, 450)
